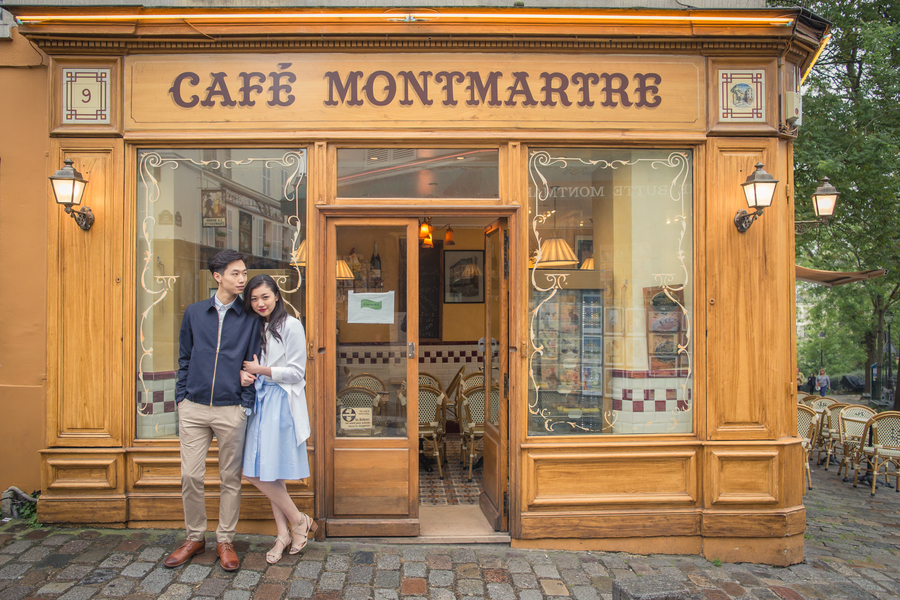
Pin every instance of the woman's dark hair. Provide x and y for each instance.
(278, 316)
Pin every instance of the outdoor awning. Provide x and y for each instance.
(833, 278)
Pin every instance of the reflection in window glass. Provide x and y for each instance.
(192, 204)
(417, 173)
(610, 295)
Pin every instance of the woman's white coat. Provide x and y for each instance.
(287, 359)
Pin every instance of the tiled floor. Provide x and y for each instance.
(455, 487)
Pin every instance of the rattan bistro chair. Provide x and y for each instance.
(830, 433)
(357, 397)
(372, 382)
(884, 450)
(431, 423)
(473, 434)
(467, 383)
(807, 425)
(820, 405)
(851, 432)
(450, 407)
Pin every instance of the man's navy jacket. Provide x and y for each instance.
(207, 375)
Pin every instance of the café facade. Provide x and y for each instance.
(538, 204)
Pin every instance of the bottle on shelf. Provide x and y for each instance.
(375, 264)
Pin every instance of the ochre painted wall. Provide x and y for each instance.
(464, 322)
(24, 189)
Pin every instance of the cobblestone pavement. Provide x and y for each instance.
(852, 551)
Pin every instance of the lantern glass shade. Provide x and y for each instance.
(588, 264)
(888, 317)
(556, 252)
(68, 185)
(428, 242)
(343, 270)
(759, 189)
(825, 200)
(448, 237)
(425, 229)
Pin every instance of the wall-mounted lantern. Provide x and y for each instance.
(824, 202)
(759, 191)
(68, 188)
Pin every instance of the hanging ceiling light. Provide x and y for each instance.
(448, 237)
(556, 252)
(298, 259)
(425, 228)
(428, 242)
(343, 270)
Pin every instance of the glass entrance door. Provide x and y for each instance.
(496, 381)
(372, 377)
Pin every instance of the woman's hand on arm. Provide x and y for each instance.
(253, 367)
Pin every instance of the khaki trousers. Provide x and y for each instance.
(196, 425)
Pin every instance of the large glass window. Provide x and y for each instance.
(192, 203)
(417, 173)
(610, 291)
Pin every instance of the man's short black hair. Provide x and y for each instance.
(224, 258)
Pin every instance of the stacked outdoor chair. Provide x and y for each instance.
(851, 433)
(884, 450)
(374, 383)
(830, 433)
(807, 425)
(820, 405)
(432, 424)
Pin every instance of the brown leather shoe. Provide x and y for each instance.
(228, 558)
(184, 552)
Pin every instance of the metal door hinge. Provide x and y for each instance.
(505, 254)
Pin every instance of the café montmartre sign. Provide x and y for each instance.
(458, 90)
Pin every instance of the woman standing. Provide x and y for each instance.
(277, 429)
(823, 382)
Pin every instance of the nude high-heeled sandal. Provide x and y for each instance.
(304, 528)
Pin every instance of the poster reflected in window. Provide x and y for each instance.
(213, 208)
(463, 276)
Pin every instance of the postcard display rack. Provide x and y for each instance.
(569, 374)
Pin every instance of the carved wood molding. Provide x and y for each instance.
(57, 45)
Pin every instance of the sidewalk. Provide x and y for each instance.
(852, 552)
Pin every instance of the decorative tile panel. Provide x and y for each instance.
(742, 95)
(86, 94)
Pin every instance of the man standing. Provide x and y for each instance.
(217, 335)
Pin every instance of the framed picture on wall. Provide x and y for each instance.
(584, 248)
(463, 276)
(212, 207)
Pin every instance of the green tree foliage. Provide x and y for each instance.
(851, 134)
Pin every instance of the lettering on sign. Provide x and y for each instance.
(382, 88)
(440, 90)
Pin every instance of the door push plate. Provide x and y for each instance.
(411, 350)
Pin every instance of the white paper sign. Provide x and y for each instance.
(356, 418)
(370, 308)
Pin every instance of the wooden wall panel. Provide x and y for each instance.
(605, 478)
(371, 481)
(84, 355)
(749, 304)
(613, 524)
(744, 476)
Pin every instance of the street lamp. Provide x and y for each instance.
(889, 384)
(821, 353)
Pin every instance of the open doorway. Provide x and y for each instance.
(462, 285)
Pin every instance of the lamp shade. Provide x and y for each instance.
(759, 189)
(471, 270)
(556, 252)
(448, 237)
(298, 259)
(588, 264)
(825, 200)
(428, 242)
(68, 185)
(343, 270)
(425, 228)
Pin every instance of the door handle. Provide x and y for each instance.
(411, 350)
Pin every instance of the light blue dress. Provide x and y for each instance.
(270, 450)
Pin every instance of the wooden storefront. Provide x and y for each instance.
(625, 134)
